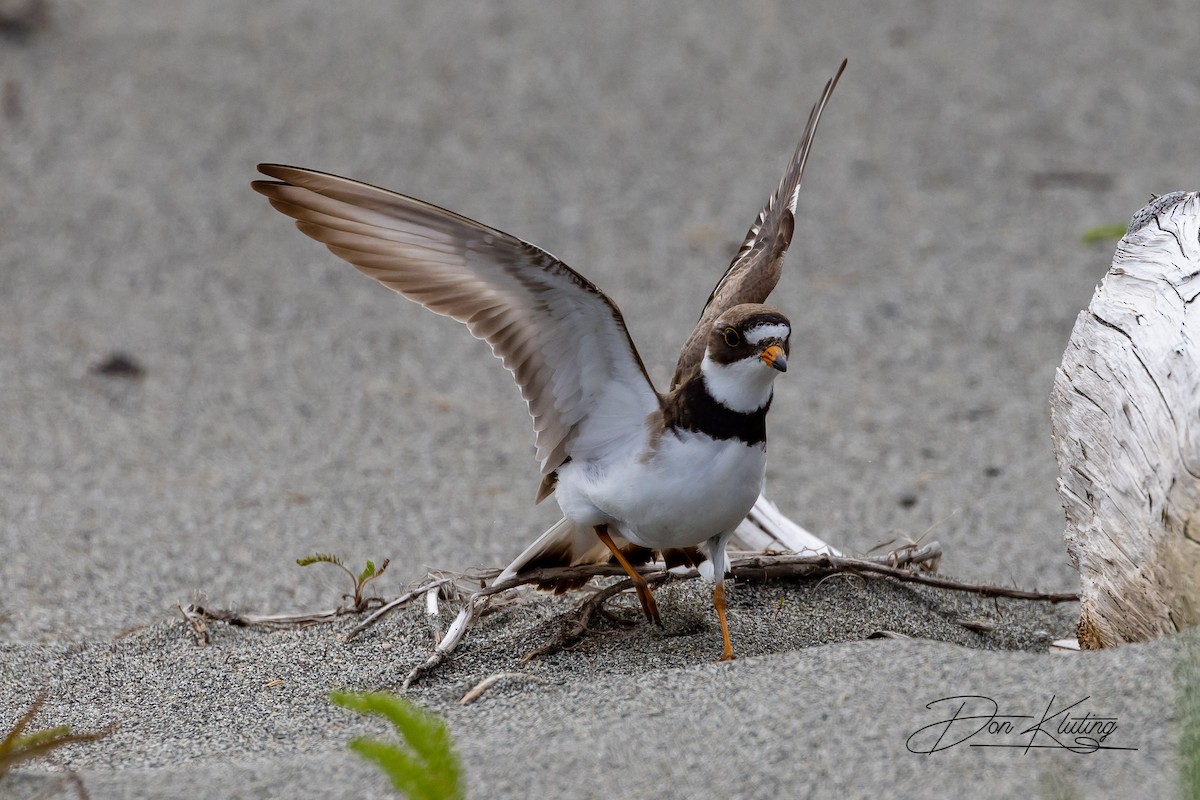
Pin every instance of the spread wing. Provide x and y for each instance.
(563, 339)
(755, 269)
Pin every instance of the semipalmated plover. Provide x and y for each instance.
(636, 472)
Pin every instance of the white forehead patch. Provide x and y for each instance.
(773, 330)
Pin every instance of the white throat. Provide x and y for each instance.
(743, 386)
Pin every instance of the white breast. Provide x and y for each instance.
(692, 488)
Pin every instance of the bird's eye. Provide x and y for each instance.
(731, 337)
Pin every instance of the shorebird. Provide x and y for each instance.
(636, 472)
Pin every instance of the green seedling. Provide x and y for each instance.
(424, 766)
(368, 574)
(18, 746)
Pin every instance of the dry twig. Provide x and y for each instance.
(477, 691)
(196, 622)
(904, 564)
(763, 568)
(578, 622)
(197, 612)
(391, 605)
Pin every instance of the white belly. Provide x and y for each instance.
(693, 488)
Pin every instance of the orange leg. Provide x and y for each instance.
(649, 607)
(719, 605)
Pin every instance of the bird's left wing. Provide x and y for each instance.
(564, 340)
(755, 269)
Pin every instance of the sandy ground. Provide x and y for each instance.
(287, 405)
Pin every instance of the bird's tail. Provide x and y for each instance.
(566, 544)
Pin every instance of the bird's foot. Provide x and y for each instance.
(645, 596)
(649, 604)
(719, 605)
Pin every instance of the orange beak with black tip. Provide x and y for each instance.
(774, 357)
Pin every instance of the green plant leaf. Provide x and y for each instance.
(321, 558)
(9, 743)
(37, 737)
(370, 573)
(407, 774)
(424, 733)
(18, 746)
(367, 573)
(39, 748)
(1187, 680)
(428, 769)
(1104, 233)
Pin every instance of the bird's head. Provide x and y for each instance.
(747, 348)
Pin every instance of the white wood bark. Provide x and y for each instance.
(1125, 411)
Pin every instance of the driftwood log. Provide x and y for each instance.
(1125, 412)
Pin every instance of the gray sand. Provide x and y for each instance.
(288, 405)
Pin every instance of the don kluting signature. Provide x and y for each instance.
(975, 720)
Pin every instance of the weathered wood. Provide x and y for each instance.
(1125, 411)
